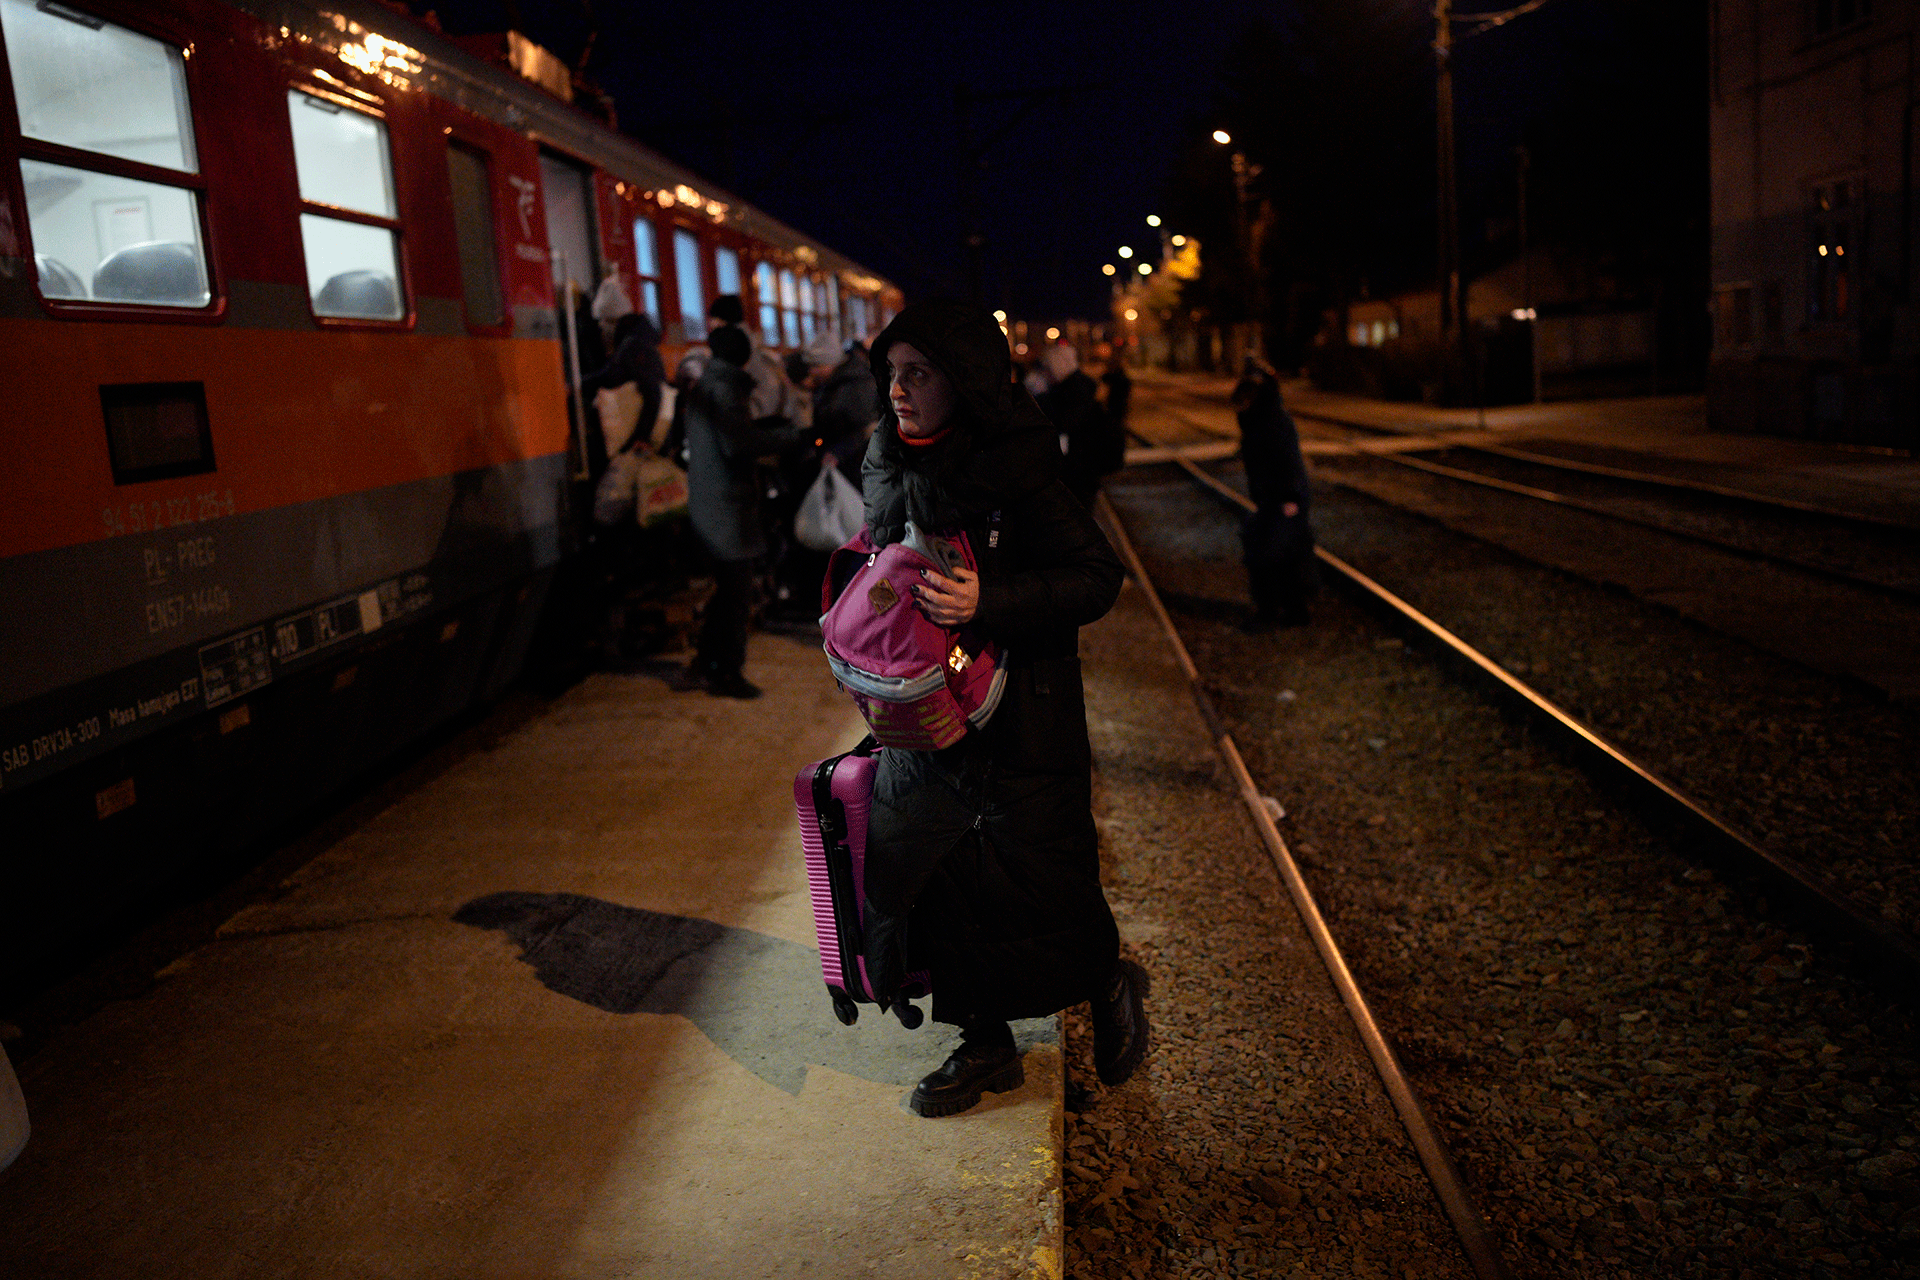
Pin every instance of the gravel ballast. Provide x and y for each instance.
(1641, 1072)
(1256, 1140)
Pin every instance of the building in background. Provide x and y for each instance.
(1813, 262)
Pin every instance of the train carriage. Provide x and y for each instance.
(286, 298)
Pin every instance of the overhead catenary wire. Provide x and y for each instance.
(1488, 21)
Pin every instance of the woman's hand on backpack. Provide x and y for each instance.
(951, 602)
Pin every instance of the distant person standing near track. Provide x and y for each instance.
(1119, 390)
(982, 861)
(723, 502)
(1275, 539)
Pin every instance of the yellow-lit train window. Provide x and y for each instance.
(107, 161)
(349, 224)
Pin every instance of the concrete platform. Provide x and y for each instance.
(556, 1013)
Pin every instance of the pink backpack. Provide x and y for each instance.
(918, 683)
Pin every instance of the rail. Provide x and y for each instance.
(1469, 1224)
(1802, 887)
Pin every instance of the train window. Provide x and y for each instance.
(769, 292)
(646, 253)
(790, 308)
(686, 270)
(112, 199)
(467, 173)
(807, 305)
(157, 430)
(85, 83)
(348, 227)
(726, 271)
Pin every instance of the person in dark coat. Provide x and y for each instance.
(1092, 443)
(1275, 539)
(846, 403)
(982, 862)
(635, 359)
(1119, 393)
(723, 503)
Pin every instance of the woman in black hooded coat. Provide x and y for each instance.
(982, 860)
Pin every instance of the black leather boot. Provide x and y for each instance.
(1120, 1024)
(987, 1061)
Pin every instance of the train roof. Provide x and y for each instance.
(397, 49)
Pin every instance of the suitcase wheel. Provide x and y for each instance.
(845, 1009)
(910, 1016)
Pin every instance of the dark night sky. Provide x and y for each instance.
(842, 120)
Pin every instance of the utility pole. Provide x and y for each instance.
(1448, 257)
(1526, 277)
(1252, 335)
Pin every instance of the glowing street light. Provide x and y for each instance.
(1146, 268)
(1126, 251)
(1001, 316)
(1132, 314)
(1109, 269)
(1179, 241)
(1053, 335)
(1222, 137)
(1153, 219)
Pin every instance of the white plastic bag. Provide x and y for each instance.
(13, 1114)
(619, 410)
(831, 513)
(662, 491)
(613, 497)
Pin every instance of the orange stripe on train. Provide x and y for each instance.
(296, 416)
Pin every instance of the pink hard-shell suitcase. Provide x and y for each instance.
(833, 797)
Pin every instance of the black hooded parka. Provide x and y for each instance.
(982, 860)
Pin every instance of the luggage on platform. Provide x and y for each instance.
(833, 797)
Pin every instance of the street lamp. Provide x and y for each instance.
(1126, 251)
(1146, 268)
(1108, 269)
(1153, 219)
(1222, 137)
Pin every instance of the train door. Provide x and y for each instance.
(566, 190)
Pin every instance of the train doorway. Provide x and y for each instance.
(567, 192)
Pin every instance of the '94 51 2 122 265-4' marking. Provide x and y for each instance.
(166, 513)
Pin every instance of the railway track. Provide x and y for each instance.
(1894, 954)
(1639, 1073)
(1468, 1223)
(1873, 553)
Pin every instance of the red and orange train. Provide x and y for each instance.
(283, 301)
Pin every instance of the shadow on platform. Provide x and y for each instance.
(747, 992)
